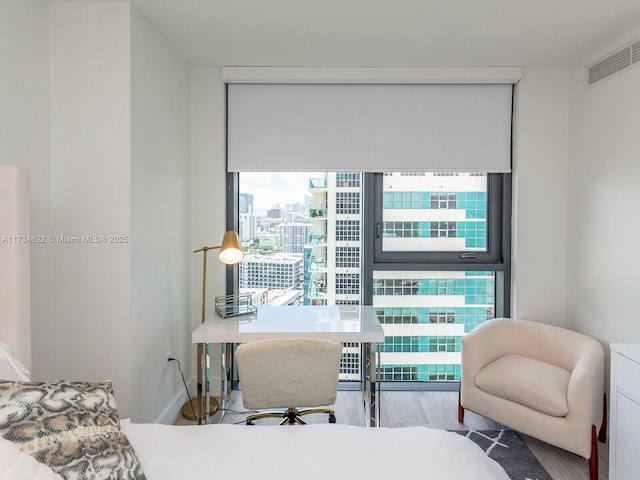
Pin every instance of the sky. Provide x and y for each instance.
(269, 188)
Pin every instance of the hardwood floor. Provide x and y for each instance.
(439, 410)
(435, 410)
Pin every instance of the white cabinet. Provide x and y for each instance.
(624, 434)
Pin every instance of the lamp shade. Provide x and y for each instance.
(230, 251)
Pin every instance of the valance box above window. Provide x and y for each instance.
(369, 127)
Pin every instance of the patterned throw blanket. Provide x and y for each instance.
(73, 427)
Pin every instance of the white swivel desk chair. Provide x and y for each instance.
(289, 373)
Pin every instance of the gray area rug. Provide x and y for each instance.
(508, 449)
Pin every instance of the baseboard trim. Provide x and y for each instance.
(172, 412)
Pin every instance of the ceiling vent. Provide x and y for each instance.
(613, 63)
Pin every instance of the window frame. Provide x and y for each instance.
(494, 253)
(497, 258)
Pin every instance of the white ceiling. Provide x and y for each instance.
(390, 32)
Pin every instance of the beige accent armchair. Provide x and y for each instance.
(544, 381)
(289, 373)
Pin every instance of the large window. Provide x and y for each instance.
(427, 250)
(439, 265)
(420, 225)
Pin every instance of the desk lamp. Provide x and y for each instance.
(230, 253)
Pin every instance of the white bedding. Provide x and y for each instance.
(17, 465)
(10, 368)
(312, 452)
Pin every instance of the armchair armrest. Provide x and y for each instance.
(586, 385)
(483, 345)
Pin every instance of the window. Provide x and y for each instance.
(442, 229)
(443, 200)
(347, 284)
(439, 266)
(348, 230)
(428, 249)
(437, 316)
(439, 217)
(348, 179)
(347, 203)
(347, 257)
(427, 295)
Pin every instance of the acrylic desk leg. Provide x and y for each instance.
(376, 382)
(370, 392)
(201, 381)
(224, 372)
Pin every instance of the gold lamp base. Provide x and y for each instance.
(189, 407)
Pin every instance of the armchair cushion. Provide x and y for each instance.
(535, 384)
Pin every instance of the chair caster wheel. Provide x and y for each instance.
(332, 419)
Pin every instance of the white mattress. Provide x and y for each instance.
(317, 451)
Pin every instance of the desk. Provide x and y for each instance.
(358, 324)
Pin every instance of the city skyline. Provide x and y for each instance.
(271, 188)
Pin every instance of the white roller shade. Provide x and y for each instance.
(370, 128)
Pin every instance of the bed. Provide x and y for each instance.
(71, 430)
(318, 451)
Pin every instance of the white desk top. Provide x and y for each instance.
(340, 323)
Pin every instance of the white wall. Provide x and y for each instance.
(160, 223)
(540, 196)
(116, 162)
(604, 199)
(120, 145)
(88, 326)
(24, 134)
(207, 195)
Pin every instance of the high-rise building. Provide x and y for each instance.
(332, 255)
(316, 250)
(295, 236)
(247, 228)
(426, 314)
(278, 271)
(245, 203)
(274, 213)
(345, 220)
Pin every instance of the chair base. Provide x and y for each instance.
(189, 409)
(291, 416)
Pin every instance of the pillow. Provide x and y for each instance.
(17, 465)
(10, 367)
(73, 427)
